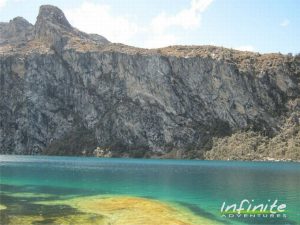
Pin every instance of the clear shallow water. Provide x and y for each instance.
(201, 186)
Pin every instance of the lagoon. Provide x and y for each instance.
(81, 190)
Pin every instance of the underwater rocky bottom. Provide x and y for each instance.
(32, 208)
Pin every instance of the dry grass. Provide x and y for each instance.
(243, 58)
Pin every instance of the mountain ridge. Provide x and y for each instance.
(65, 92)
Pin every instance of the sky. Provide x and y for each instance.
(254, 25)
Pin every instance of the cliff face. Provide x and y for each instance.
(66, 92)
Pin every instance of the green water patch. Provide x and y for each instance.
(24, 207)
(25, 210)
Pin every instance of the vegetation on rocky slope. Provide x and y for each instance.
(249, 145)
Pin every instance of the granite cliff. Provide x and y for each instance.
(65, 92)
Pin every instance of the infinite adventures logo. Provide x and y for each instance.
(250, 209)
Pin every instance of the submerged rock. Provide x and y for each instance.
(125, 210)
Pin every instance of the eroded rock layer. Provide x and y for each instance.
(65, 92)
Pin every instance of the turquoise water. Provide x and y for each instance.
(201, 186)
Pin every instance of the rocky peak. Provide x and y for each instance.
(17, 30)
(19, 24)
(53, 26)
(51, 20)
(52, 14)
(51, 30)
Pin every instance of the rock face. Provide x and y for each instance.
(17, 31)
(64, 92)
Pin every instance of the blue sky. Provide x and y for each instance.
(256, 25)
